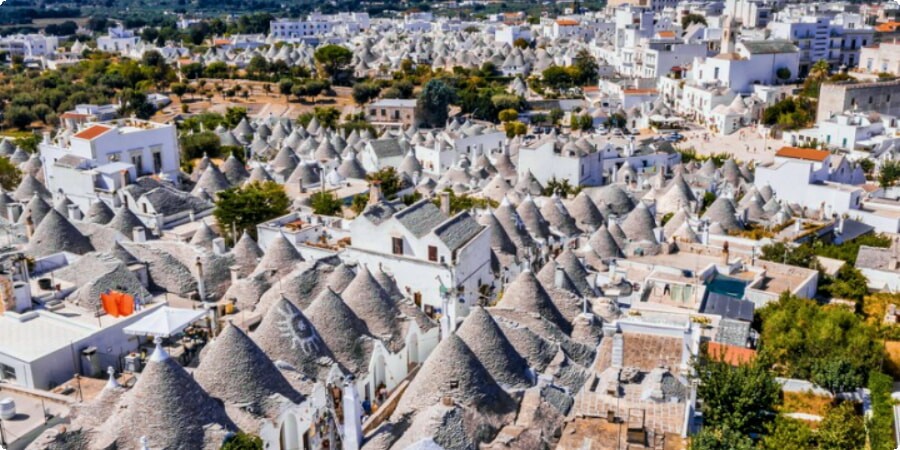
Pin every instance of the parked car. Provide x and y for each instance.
(634, 131)
(673, 137)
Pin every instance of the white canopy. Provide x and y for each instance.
(165, 322)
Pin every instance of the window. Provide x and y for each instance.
(114, 157)
(157, 162)
(397, 244)
(432, 253)
(7, 373)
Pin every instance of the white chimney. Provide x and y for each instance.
(138, 234)
(445, 203)
(46, 137)
(445, 317)
(352, 407)
(559, 277)
(219, 247)
(74, 212)
(14, 211)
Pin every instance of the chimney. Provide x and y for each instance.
(352, 408)
(14, 211)
(235, 273)
(218, 246)
(445, 203)
(374, 193)
(46, 137)
(29, 227)
(559, 277)
(191, 215)
(201, 285)
(74, 212)
(138, 234)
(446, 320)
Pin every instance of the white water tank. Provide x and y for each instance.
(7, 409)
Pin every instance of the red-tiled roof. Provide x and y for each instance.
(567, 22)
(730, 354)
(808, 154)
(666, 34)
(92, 132)
(639, 91)
(887, 27)
(72, 115)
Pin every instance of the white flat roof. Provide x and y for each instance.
(29, 337)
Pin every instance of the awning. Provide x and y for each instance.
(165, 322)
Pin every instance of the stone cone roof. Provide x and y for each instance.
(453, 370)
(167, 407)
(558, 216)
(585, 212)
(56, 234)
(526, 294)
(246, 254)
(28, 187)
(515, 228)
(677, 196)
(204, 236)
(497, 188)
(259, 174)
(235, 370)
(684, 233)
(722, 212)
(604, 244)
(534, 221)
(373, 305)
(281, 256)
(212, 181)
(483, 336)
(345, 334)
(122, 254)
(37, 208)
(527, 183)
(681, 216)
(410, 164)
(639, 224)
(99, 213)
(504, 165)
(576, 271)
(124, 221)
(340, 278)
(287, 335)
(234, 170)
(566, 298)
(499, 238)
(388, 283)
(614, 198)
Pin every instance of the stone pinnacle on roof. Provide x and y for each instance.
(454, 371)
(212, 181)
(576, 271)
(204, 236)
(246, 254)
(125, 222)
(722, 212)
(99, 213)
(167, 407)
(286, 334)
(236, 370)
(234, 170)
(345, 334)
(280, 256)
(527, 294)
(639, 224)
(534, 221)
(28, 187)
(585, 212)
(372, 304)
(56, 234)
(483, 336)
(36, 209)
(341, 277)
(558, 216)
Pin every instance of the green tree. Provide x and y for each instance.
(889, 173)
(388, 181)
(842, 428)
(818, 73)
(195, 145)
(325, 203)
(880, 425)
(715, 438)
(508, 115)
(555, 116)
(515, 128)
(808, 341)
(178, 89)
(432, 107)
(690, 19)
(234, 115)
(333, 59)
(365, 92)
(783, 73)
(18, 116)
(587, 67)
(10, 176)
(286, 86)
(786, 433)
(242, 208)
(521, 43)
(738, 398)
(243, 441)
